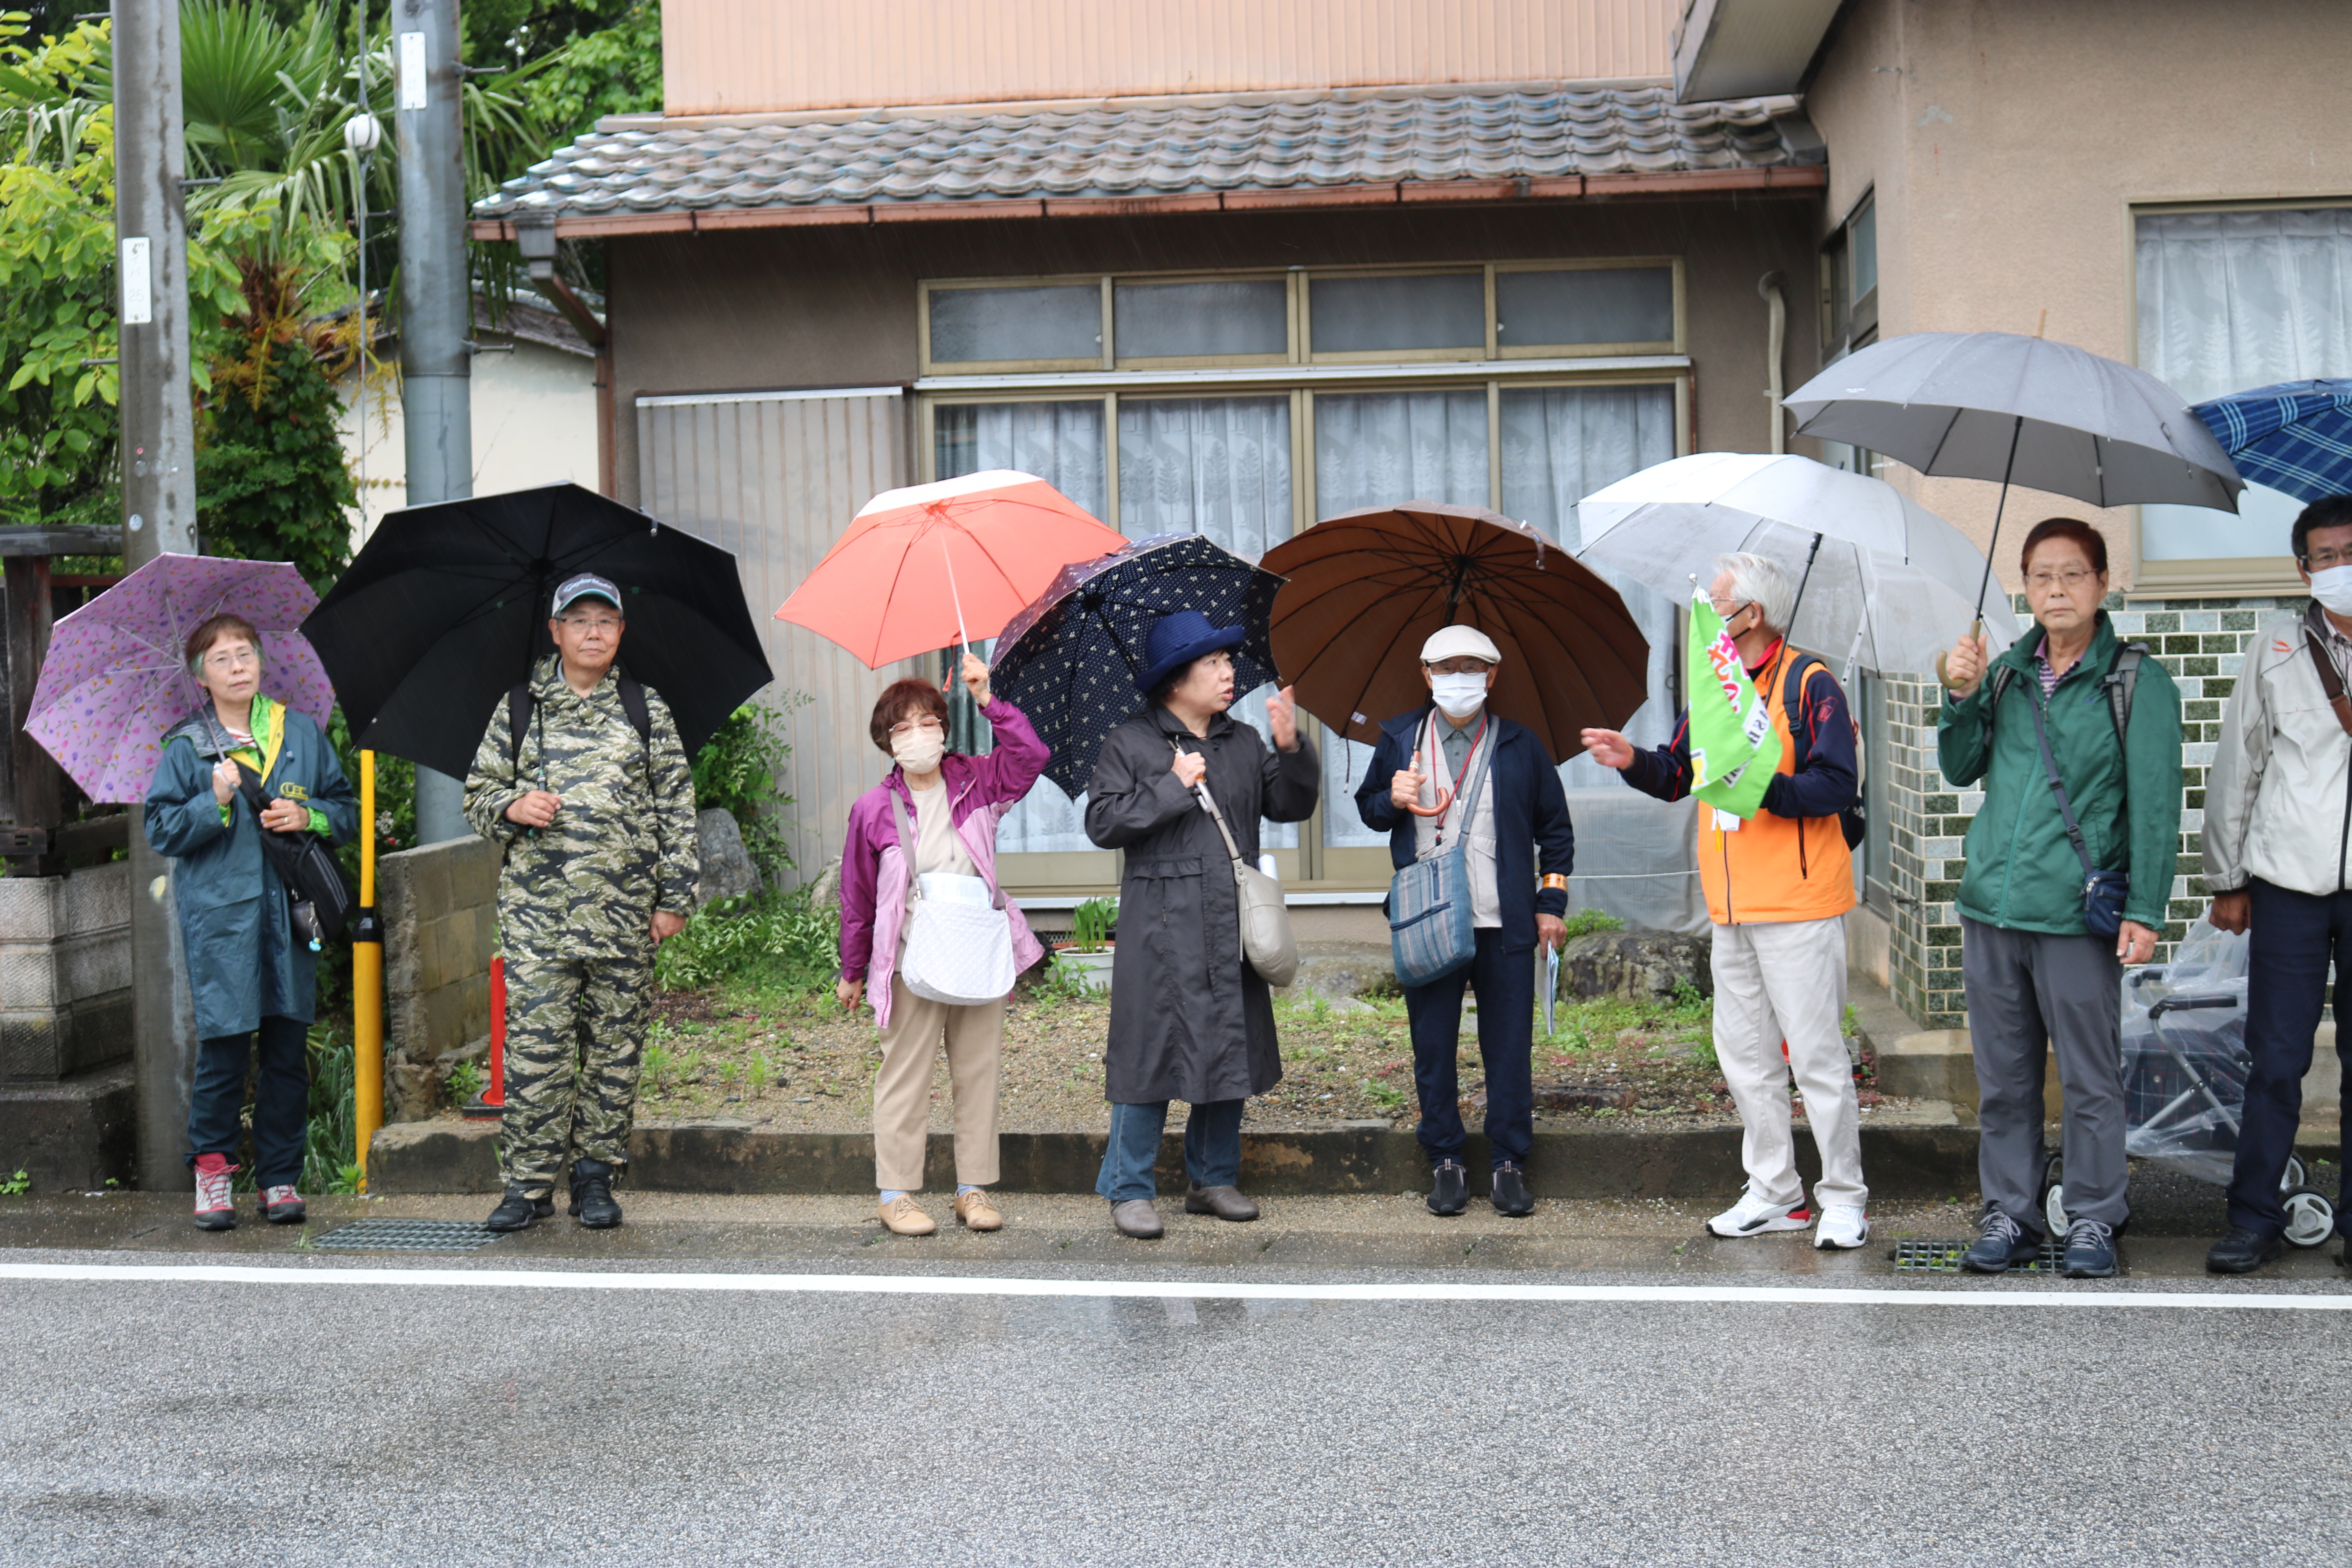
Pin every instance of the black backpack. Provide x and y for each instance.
(520, 704)
(1853, 822)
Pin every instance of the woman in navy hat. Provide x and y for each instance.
(1189, 1019)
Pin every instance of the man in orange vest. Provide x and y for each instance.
(1779, 885)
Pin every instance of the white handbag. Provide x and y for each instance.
(959, 950)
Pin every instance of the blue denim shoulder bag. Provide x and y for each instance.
(1430, 930)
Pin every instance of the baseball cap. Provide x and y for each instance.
(586, 586)
(1458, 642)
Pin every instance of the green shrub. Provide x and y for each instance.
(329, 1153)
(773, 939)
(1584, 923)
(736, 771)
(1091, 923)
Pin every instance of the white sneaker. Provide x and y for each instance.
(1843, 1227)
(1752, 1215)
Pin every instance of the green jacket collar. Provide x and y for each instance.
(2019, 655)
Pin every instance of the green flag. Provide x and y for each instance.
(1733, 749)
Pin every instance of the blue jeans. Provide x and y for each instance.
(1212, 1148)
(2295, 935)
(1505, 983)
(281, 1103)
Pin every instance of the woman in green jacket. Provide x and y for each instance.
(2032, 969)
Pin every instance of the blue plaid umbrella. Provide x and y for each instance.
(2295, 436)
(1070, 660)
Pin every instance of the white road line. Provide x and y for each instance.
(1165, 1290)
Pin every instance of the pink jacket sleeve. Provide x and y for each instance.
(860, 865)
(1015, 757)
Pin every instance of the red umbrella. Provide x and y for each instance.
(931, 565)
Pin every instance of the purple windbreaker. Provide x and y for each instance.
(876, 877)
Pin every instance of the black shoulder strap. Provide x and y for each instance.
(632, 701)
(1801, 666)
(2122, 677)
(519, 704)
(2002, 674)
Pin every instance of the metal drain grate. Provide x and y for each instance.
(407, 1235)
(1944, 1257)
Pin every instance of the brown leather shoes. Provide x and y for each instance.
(976, 1212)
(1225, 1203)
(904, 1216)
(1138, 1219)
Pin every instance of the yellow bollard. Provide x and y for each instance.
(367, 983)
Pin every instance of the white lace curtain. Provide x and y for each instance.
(2229, 302)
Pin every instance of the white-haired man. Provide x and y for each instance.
(1779, 885)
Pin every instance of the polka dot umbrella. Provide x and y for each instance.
(1069, 661)
(115, 680)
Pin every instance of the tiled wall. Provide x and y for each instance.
(2200, 641)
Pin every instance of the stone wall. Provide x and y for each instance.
(65, 972)
(2200, 641)
(439, 907)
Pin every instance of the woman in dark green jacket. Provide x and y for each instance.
(247, 971)
(2032, 969)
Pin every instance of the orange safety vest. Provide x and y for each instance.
(1774, 867)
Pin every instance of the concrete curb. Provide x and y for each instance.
(1932, 1157)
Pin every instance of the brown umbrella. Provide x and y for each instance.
(1366, 589)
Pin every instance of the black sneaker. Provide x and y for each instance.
(1511, 1196)
(518, 1208)
(2002, 1243)
(2242, 1251)
(2090, 1251)
(592, 1195)
(1449, 1188)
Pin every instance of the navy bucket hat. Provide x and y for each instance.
(1177, 640)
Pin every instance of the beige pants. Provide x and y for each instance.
(902, 1088)
(1779, 980)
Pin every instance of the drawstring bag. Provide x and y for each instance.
(959, 949)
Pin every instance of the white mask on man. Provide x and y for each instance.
(919, 751)
(2333, 589)
(1459, 696)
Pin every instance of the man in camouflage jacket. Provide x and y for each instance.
(597, 822)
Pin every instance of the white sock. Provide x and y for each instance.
(890, 1197)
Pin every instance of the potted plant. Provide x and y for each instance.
(1087, 953)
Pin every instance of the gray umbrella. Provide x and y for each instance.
(2001, 405)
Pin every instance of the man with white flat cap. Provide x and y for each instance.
(1422, 782)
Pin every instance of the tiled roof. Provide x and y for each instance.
(1207, 146)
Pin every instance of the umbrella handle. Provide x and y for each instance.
(1445, 797)
(1976, 630)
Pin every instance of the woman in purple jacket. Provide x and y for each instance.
(955, 804)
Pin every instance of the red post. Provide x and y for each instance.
(494, 1092)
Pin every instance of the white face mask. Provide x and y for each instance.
(1459, 696)
(2333, 589)
(919, 750)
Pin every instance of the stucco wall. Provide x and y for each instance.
(822, 307)
(2007, 144)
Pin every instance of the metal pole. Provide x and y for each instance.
(159, 515)
(367, 983)
(436, 303)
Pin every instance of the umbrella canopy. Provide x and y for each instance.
(115, 678)
(2001, 405)
(447, 609)
(1070, 660)
(2295, 436)
(1365, 589)
(931, 565)
(1846, 538)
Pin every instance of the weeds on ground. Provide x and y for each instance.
(464, 1082)
(330, 1151)
(1585, 922)
(775, 940)
(17, 1186)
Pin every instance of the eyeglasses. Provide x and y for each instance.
(593, 622)
(232, 658)
(908, 726)
(2321, 560)
(1464, 664)
(2072, 580)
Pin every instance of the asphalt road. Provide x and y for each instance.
(412, 1413)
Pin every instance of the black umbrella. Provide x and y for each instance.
(447, 608)
(1070, 659)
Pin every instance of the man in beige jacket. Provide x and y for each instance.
(2278, 857)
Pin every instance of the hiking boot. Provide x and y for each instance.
(521, 1206)
(2002, 1244)
(2242, 1251)
(1752, 1215)
(1449, 1188)
(282, 1205)
(1511, 1196)
(2090, 1251)
(592, 1195)
(215, 1210)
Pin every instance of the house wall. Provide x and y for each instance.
(825, 307)
(725, 57)
(2007, 144)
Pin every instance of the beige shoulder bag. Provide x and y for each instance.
(1267, 938)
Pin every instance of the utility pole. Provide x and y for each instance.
(436, 303)
(159, 516)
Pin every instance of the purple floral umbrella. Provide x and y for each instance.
(114, 680)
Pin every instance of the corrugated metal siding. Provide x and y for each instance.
(776, 481)
(730, 56)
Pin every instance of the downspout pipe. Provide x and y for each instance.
(535, 238)
(1776, 334)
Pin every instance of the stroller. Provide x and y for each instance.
(2185, 1070)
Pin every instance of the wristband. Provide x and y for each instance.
(1554, 880)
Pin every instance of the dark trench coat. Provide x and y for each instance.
(1189, 1020)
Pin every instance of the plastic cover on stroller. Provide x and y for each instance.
(2185, 1059)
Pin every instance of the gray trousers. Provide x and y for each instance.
(2027, 990)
